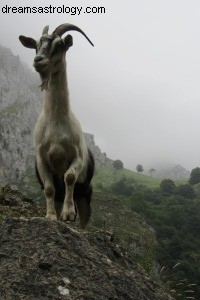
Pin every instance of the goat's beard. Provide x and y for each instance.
(45, 79)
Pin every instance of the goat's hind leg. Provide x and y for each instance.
(82, 197)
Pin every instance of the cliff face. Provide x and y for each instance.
(100, 158)
(20, 104)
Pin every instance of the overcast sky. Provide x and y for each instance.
(138, 89)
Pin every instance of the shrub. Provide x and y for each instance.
(167, 186)
(118, 164)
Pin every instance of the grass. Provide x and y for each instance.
(111, 213)
(107, 175)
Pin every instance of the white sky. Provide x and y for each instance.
(138, 89)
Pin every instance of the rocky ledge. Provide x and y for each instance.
(43, 259)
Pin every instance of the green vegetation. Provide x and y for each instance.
(118, 164)
(152, 171)
(167, 186)
(173, 210)
(107, 176)
(195, 176)
(128, 229)
(139, 168)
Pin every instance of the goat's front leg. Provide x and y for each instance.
(49, 190)
(70, 177)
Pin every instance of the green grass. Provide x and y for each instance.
(106, 176)
(181, 181)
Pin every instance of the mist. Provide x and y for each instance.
(137, 90)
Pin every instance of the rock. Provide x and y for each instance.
(20, 102)
(44, 259)
(14, 203)
(100, 158)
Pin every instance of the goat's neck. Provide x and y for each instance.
(56, 102)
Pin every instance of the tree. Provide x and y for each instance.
(186, 191)
(151, 171)
(123, 187)
(118, 164)
(139, 204)
(139, 168)
(167, 186)
(195, 176)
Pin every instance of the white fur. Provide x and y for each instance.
(59, 143)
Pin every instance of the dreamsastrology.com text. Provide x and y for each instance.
(74, 10)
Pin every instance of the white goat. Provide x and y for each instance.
(64, 164)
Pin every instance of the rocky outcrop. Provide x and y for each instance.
(100, 157)
(20, 101)
(43, 259)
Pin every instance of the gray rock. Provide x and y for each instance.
(37, 255)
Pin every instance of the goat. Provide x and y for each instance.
(64, 164)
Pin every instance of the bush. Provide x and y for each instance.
(118, 164)
(167, 186)
(186, 191)
(139, 204)
(195, 176)
(123, 187)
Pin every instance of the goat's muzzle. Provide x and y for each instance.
(40, 63)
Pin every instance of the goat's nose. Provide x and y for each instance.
(38, 58)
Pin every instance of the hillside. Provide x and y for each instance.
(43, 259)
(173, 211)
(107, 175)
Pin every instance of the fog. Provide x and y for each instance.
(138, 89)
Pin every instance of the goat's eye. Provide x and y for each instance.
(59, 43)
(57, 47)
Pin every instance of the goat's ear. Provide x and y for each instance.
(68, 41)
(28, 42)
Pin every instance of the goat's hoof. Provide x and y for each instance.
(68, 216)
(51, 217)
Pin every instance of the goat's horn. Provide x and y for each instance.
(60, 30)
(45, 30)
